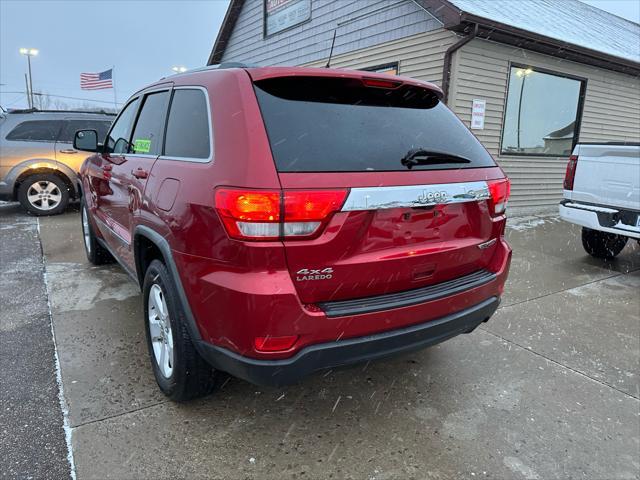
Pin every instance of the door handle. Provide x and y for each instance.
(106, 168)
(139, 173)
(68, 150)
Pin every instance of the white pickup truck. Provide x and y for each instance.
(602, 193)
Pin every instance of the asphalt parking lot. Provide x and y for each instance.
(548, 389)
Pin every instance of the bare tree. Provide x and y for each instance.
(46, 101)
(41, 101)
(59, 104)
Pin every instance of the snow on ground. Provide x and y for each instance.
(528, 222)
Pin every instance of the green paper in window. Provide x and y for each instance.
(141, 145)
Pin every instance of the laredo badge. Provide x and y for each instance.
(310, 274)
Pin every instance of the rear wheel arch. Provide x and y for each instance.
(145, 251)
(24, 175)
(149, 245)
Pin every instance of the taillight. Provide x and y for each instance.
(570, 174)
(272, 214)
(249, 214)
(499, 191)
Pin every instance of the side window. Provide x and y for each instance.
(149, 129)
(36, 131)
(72, 126)
(188, 126)
(118, 139)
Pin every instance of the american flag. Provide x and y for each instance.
(96, 81)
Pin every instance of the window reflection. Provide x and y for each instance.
(541, 113)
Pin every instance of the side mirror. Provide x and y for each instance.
(86, 140)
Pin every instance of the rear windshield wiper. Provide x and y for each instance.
(420, 156)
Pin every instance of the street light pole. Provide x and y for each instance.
(524, 74)
(30, 79)
(26, 86)
(29, 52)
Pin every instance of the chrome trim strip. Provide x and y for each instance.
(378, 198)
(138, 155)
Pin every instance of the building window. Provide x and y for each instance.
(542, 115)
(280, 15)
(389, 68)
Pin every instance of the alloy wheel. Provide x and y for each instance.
(160, 330)
(44, 195)
(85, 230)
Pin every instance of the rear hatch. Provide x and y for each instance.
(415, 180)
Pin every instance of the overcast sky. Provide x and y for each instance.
(142, 39)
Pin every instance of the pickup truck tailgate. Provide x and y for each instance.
(607, 175)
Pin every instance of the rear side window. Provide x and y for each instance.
(72, 126)
(36, 131)
(188, 126)
(149, 129)
(319, 124)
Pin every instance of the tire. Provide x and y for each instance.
(43, 194)
(96, 253)
(182, 374)
(602, 244)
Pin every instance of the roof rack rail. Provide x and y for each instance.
(235, 65)
(36, 110)
(217, 66)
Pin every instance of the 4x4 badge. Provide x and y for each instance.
(313, 274)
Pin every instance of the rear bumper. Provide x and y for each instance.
(345, 352)
(602, 218)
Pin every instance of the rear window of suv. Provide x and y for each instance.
(36, 131)
(319, 124)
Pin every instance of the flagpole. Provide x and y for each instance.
(113, 81)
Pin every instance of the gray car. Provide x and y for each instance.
(38, 164)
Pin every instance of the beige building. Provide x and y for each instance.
(531, 78)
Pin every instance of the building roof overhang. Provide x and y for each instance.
(462, 22)
(459, 21)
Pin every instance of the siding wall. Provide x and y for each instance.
(611, 112)
(358, 24)
(419, 56)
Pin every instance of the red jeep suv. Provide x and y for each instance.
(280, 221)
